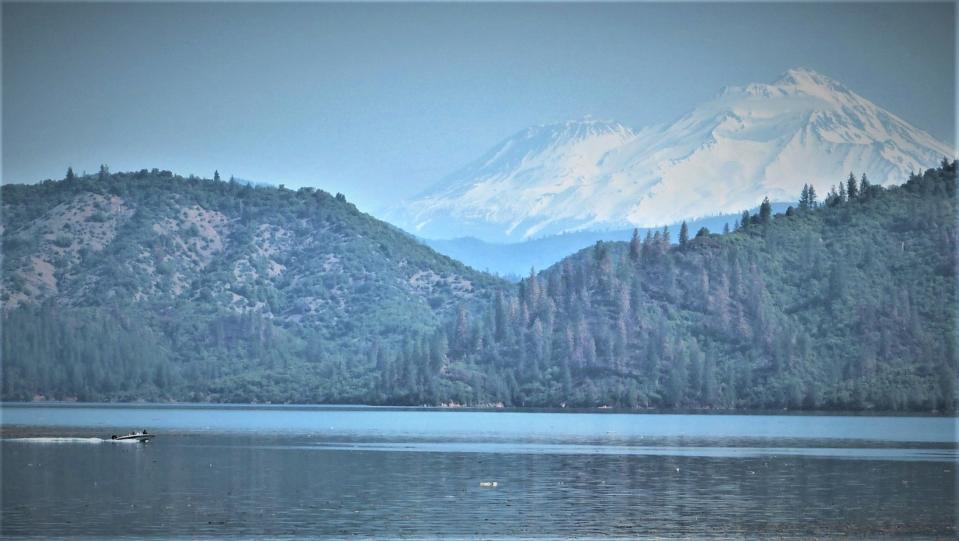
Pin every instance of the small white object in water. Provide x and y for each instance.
(488, 484)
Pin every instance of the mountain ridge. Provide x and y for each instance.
(298, 297)
(725, 155)
(204, 287)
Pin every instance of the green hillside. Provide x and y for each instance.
(849, 304)
(152, 286)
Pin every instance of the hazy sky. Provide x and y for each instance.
(379, 100)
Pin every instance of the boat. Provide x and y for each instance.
(141, 437)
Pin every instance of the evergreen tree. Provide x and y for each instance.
(635, 246)
(703, 232)
(832, 198)
(726, 228)
(812, 197)
(216, 175)
(804, 198)
(683, 234)
(599, 251)
(852, 189)
(648, 244)
(864, 187)
(765, 211)
(676, 381)
(837, 283)
(70, 175)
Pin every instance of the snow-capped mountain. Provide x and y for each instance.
(723, 156)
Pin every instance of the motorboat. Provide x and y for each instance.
(141, 437)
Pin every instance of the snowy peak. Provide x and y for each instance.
(752, 141)
(577, 139)
(807, 81)
(794, 82)
(577, 130)
(583, 135)
(565, 149)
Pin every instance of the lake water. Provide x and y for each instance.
(344, 472)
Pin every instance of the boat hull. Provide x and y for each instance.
(142, 438)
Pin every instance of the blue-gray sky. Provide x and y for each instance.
(380, 100)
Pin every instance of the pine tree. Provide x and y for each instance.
(832, 198)
(864, 187)
(852, 189)
(648, 243)
(703, 232)
(532, 289)
(726, 228)
(837, 283)
(216, 175)
(765, 211)
(70, 175)
(501, 322)
(812, 197)
(744, 221)
(676, 381)
(599, 251)
(683, 234)
(635, 246)
(804, 198)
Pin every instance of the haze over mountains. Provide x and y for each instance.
(514, 260)
(150, 286)
(722, 157)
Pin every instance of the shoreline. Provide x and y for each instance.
(478, 408)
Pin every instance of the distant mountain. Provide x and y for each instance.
(500, 196)
(513, 260)
(722, 157)
(150, 285)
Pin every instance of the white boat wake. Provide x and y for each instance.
(57, 440)
(52, 440)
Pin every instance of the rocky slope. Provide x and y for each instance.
(217, 277)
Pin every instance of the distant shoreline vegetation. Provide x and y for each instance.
(150, 286)
(308, 406)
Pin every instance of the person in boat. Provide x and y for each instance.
(114, 437)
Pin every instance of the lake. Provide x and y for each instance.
(229, 472)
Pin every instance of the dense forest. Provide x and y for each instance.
(147, 285)
(845, 304)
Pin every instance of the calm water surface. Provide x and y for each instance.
(332, 472)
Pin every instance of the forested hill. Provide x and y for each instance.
(152, 286)
(849, 304)
(149, 285)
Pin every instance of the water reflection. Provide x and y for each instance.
(250, 485)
